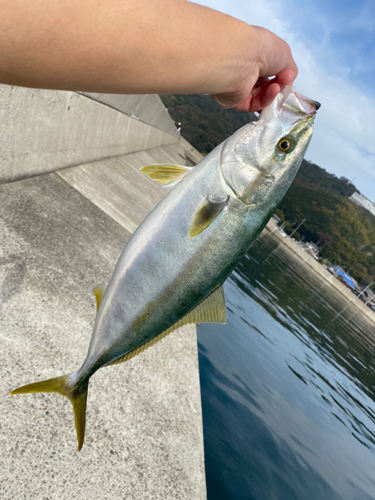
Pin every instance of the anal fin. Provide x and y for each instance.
(210, 310)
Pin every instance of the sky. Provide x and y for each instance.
(333, 44)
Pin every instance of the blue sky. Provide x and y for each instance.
(333, 43)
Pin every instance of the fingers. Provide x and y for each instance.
(275, 54)
(285, 78)
(257, 95)
(245, 105)
(266, 97)
(225, 101)
(262, 99)
(265, 91)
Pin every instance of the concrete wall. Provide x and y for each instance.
(44, 130)
(146, 108)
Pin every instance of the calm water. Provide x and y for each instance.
(287, 387)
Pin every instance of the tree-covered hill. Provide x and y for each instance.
(344, 231)
(204, 124)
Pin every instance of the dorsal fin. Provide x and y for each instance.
(210, 310)
(98, 291)
(166, 175)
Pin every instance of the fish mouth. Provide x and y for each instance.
(288, 108)
(293, 102)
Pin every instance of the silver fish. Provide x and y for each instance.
(172, 269)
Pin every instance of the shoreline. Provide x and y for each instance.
(318, 269)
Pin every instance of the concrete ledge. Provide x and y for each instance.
(144, 430)
(44, 130)
(146, 108)
(118, 187)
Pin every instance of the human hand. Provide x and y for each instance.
(267, 74)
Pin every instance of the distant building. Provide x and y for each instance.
(310, 248)
(281, 231)
(362, 201)
(314, 249)
(344, 179)
(368, 297)
(344, 277)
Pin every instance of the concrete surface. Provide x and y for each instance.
(118, 187)
(44, 130)
(144, 425)
(147, 108)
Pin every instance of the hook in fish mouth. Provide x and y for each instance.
(314, 108)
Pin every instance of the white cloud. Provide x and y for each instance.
(345, 124)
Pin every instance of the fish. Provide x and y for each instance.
(172, 270)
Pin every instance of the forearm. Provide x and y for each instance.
(124, 46)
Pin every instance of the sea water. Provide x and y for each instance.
(287, 386)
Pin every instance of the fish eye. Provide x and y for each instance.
(285, 144)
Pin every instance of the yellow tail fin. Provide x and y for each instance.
(77, 395)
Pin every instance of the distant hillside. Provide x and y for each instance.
(204, 124)
(344, 231)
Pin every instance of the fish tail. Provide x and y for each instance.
(77, 395)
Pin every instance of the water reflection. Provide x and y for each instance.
(287, 387)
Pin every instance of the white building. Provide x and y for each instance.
(362, 201)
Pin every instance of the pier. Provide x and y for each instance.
(71, 195)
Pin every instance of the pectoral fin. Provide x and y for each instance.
(166, 175)
(206, 214)
(210, 310)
